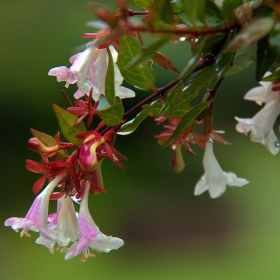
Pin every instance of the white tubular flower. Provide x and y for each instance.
(263, 93)
(90, 235)
(215, 179)
(62, 226)
(261, 126)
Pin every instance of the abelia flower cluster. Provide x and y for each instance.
(65, 225)
(73, 169)
(75, 176)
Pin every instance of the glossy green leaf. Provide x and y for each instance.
(188, 120)
(172, 107)
(141, 77)
(194, 9)
(274, 77)
(213, 15)
(141, 4)
(48, 140)
(113, 115)
(132, 125)
(66, 120)
(178, 110)
(200, 83)
(265, 57)
(240, 62)
(144, 56)
(110, 81)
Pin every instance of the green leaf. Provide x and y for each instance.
(172, 107)
(265, 57)
(213, 17)
(142, 77)
(240, 62)
(188, 120)
(66, 120)
(274, 77)
(200, 83)
(110, 81)
(141, 4)
(48, 140)
(177, 8)
(229, 6)
(113, 115)
(132, 125)
(149, 52)
(195, 9)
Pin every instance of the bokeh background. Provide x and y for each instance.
(168, 233)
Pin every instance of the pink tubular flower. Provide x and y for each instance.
(215, 179)
(90, 235)
(89, 71)
(36, 217)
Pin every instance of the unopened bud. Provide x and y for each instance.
(36, 145)
(87, 156)
(253, 32)
(177, 162)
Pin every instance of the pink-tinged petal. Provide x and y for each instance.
(74, 57)
(60, 73)
(256, 94)
(89, 233)
(124, 92)
(78, 94)
(36, 217)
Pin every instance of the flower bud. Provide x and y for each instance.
(177, 162)
(36, 145)
(87, 157)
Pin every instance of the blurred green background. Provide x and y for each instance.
(168, 233)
